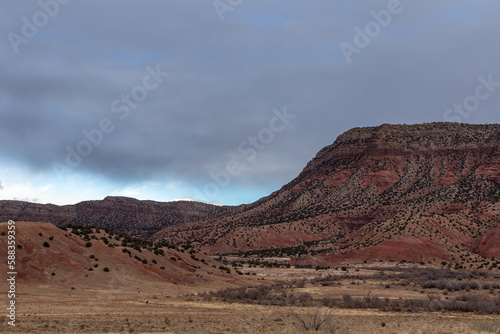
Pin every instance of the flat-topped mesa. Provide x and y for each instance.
(389, 139)
(412, 192)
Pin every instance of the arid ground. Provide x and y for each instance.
(163, 308)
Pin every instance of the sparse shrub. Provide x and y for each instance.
(313, 320)
(299, 283)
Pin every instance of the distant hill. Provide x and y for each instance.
(123, 214)
(391, 192)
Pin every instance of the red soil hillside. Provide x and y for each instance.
(392, 192)
(76, 257)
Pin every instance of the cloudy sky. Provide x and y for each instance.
(227, 100)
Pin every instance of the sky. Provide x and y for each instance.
(223, 101)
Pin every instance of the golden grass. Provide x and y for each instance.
(50, 310)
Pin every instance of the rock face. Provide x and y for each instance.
(399, 192)
(120, 214)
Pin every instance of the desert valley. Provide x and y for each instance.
(397, 225)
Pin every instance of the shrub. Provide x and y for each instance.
(88, 244)
(46, 244)
(106, 269)
(313, 320)
(299, 283)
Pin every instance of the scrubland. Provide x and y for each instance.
(388, 299)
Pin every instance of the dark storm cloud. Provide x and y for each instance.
(227, 76)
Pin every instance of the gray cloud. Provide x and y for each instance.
(227, 76)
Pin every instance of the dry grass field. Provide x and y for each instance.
(161, 309)
(79, 312)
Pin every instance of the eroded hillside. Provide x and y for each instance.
(399, 192)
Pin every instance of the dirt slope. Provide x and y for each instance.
(95, 258)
